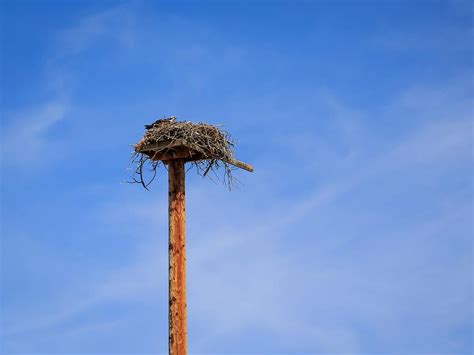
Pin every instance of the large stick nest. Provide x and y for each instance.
(210, 150)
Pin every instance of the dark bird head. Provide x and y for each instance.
(160, 121)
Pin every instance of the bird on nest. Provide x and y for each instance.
(160, 121)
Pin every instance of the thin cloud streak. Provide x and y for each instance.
(138, 280)
(25, 138)
(311, 272)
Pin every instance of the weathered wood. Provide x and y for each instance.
(162, 145)
(240, 164)
(168, 150)
(170, 155)
(177, 258)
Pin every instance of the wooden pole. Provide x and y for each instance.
(177, 258)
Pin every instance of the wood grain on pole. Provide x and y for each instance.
(177, 258)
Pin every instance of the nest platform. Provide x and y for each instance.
(169, 140)
(207, 147)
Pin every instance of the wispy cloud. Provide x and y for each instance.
(238, 263)
(452, 39)
(116, 24)
(25, 136)
(26, 131)
(361, 241)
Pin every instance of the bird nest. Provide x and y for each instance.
(208, 148)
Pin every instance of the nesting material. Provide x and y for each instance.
(207, 140)
(207, 147)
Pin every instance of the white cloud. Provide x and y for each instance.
(255, 281)
(255, 274)
(25, 137)
(116, 23)
(452, 39)
(25, 131)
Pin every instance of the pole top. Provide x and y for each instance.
(206, 146)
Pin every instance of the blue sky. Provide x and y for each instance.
(354, 233)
